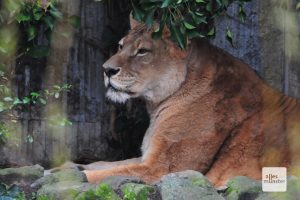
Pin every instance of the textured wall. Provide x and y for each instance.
(76, 60)
(268, 41)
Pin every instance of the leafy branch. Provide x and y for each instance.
(186, 19)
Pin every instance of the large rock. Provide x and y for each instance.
(22, 175)
(65, 184)
(187, 185)
(292, 193)
(65, 190)
(242, 187)
(116, 182)
(63, 175)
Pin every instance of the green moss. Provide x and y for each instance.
(241, 184)
(200, 182)
(103, 192)
(133, 191)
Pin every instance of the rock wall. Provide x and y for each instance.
(268, 41)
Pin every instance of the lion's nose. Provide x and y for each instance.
(111, 71)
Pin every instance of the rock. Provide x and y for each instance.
(70, 175)
(23, 175)
(187, 185)
(242, 187)
(140, 191)
(292, 193)
(116, 182)
(66, 190)
(65, 184)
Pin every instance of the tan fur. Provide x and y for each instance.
(209, 112)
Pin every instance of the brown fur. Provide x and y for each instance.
(212, 114)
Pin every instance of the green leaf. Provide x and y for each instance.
(17, 101)
(49, 21)
(2, 106)
(39, 51)
(182, 28)
(57, 87)
(29, 139)
(194, 34)
(74, 21)
(138, 14)
(157, 33)
(188, 25)
(177, 35)
(199, 14)
(209, 6)
(38, 15)
(31, 33)
(26, 100)
(8, 99)
(42, 101)
(22, 17)
(242, 14)
(229, 36)
(56, 95)
(200, 1)
(56, 13)
(212, 32)
(34, 94)
(298, 6)
(166, 3)
(149, 18)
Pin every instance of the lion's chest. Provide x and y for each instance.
(146, 145)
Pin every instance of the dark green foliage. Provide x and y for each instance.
(186, 19)
(102, 192)
(37, 19)
(105, 192)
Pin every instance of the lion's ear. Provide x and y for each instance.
(133, 23)
(166, 33)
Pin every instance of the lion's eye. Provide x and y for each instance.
(142, 52)
(120, 47)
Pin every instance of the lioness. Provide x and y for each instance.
(209, 112)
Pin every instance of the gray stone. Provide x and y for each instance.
(65, 184)
(65, 190)
(22, 175)
(69, 175)
(187, 185)
(116, 182)
(242, 187)
(292, 193)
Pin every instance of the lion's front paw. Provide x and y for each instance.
(95, 176)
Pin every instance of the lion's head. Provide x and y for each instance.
(144, 67)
